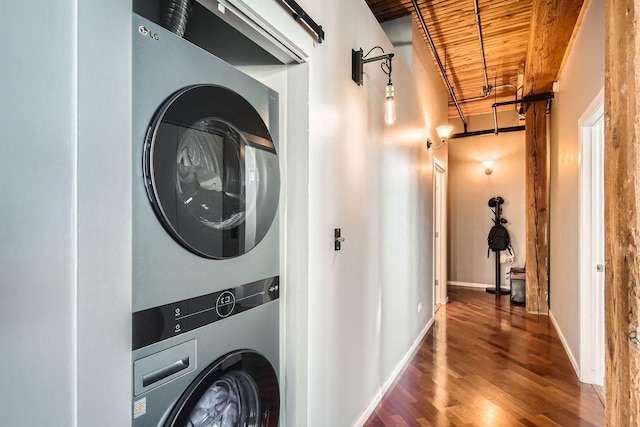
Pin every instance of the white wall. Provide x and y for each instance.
(470, 190)
(103, 257)
(580, 82)
(37, 284)
(400, 33)
(352, 316)
(376, 183)
(65, 164)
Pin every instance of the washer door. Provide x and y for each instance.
(238, 390)
(211, 171)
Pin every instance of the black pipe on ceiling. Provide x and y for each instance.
(442, 70)
(527, 99)
(486, 132)
(487, 89)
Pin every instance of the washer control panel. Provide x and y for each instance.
(160, 323)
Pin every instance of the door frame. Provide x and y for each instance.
(440, 227)
(592, 356)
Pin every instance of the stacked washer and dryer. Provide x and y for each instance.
(206, 186)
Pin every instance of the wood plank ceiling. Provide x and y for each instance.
(453, 25)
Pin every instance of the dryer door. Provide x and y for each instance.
(239, 389)
(211, 171)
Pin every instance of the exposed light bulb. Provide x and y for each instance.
(488, 164)
(389, 105)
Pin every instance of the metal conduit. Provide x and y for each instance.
(495, 111)
(486, 132)
(494, 107)
(527, 99)
(480, 98)
(487, 88)
(442, 70)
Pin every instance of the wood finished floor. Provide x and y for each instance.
(488, 363)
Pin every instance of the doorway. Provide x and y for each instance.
(440, 234)
(592, 356)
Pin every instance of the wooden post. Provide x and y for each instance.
(622, 204)
(552, 26)
(537, 212)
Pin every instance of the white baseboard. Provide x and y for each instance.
(477, 285)
(392, 377)
(567, 350)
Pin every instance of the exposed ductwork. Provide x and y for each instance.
(176, 15)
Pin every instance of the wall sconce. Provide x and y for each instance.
(443, 133)
(487, 167)
(357, 72)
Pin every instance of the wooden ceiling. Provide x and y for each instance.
(506, 27)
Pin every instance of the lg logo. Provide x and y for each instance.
(145, 32)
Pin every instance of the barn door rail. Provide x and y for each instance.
(300, 15)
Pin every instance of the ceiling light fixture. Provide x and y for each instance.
(357, 73)
(444, 132)
(488, 164)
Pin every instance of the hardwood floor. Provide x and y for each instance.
(488, 363)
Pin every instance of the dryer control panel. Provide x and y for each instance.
(160, 323)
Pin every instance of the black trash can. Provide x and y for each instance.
(518, 289)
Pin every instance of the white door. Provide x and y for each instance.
(592, 244)
(440, 234)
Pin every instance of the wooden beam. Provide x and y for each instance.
(622, 206)
(552, 25)
(537, 212)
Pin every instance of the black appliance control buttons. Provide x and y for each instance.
(225, 304)
(176, 310)
(160, 323)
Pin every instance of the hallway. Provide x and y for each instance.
(488, 363)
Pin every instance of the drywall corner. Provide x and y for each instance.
(400, 35)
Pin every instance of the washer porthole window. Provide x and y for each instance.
(239, 389)
(232, 400)
(211, 171)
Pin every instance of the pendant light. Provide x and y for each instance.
(357, 72)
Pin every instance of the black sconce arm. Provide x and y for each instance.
(358, 60)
